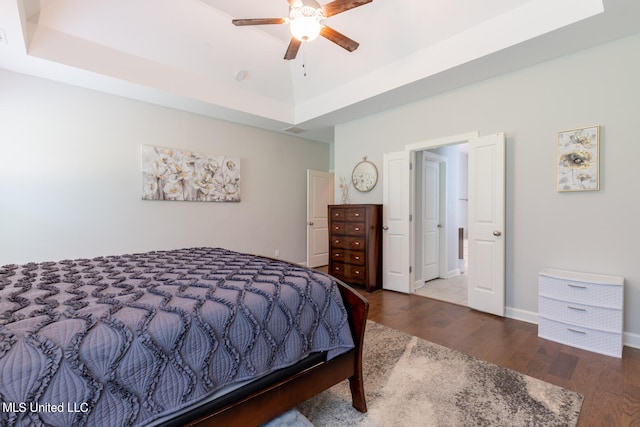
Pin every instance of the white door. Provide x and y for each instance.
(319, 196)
(430, 214)
(396, 225)
(486, 289)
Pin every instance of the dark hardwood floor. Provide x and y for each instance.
(610, 386)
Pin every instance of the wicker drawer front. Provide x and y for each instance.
(581, 292)
(608, 343)
(582, 310)
(603, 318)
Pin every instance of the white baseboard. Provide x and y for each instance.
(631, 340)
(452, 273)
(523, 315)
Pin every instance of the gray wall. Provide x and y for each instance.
(70, 178)
(589, 231)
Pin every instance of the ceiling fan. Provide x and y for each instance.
(305, 21)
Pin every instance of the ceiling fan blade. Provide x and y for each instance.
(339, 39)
(258, 21)
(339, 6)
(293, 48)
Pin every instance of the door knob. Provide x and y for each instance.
(385, 228)
(310, 223)
(497, 233)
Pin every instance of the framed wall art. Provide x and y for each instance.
(177, 174)
(579, 159)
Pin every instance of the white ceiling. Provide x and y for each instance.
(185, 53)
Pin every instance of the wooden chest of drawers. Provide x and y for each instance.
(582, 310)
(355, 244)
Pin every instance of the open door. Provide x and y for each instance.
(319, 196)
(431, 223)
(396, 222)
(486, 288)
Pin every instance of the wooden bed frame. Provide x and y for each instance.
(277, 398)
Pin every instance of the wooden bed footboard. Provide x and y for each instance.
(358, 308)
(277, 398)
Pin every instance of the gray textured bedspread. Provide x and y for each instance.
(123, 340)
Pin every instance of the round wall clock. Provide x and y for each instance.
(364, 176)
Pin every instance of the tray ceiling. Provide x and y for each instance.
(186, 54)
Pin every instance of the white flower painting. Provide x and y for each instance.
(173, 174)
(578, 159)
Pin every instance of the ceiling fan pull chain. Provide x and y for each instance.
(304, 58)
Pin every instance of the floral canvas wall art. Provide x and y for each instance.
(578, 159)
(175, 174)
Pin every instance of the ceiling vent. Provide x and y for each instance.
(294, 129)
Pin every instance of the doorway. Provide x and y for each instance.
(486, 282)
(441, 205)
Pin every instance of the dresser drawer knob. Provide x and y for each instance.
(357, 243)
(337, 241)
(357, 228)
(576, 331)
(357, 258)
(576, 286)
(576, 308)
(357, 214)
(337, 255)
(357, 272)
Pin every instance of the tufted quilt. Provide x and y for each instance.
(124, 340)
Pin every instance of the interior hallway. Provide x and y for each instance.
(454, 289)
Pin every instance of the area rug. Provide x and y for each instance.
(413, 382)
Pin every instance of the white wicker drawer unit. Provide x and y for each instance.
(581, 310)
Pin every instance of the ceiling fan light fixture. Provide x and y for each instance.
(305, 22)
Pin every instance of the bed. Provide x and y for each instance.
(198, 336)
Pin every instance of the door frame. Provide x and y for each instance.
(475, 141)
(486, 294)
(425, 146)
(409, 286)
